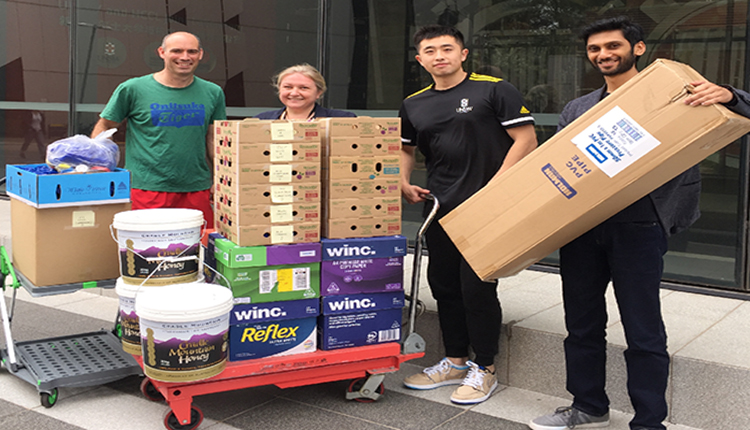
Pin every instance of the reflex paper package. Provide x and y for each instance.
(629, 144)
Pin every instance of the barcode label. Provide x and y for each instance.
(389, 335)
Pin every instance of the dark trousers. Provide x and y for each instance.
(630, 254)
(468, 309)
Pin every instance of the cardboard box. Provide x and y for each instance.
(291, 173)
(360, 126)
(629, 144)
(209, 257)
(253, 235)
(366, 275)
(273, 329)
(361, 208)
(268, 153)
(69, 189)
(233, 255)
(263, 284)
(366, 188)
(362, 319)
(307, 192)
(354, 146)
(366, 265)
(284, 213)
(363, 167)
(64, 245)
(252, 130)
(361, 227)
(371, 247)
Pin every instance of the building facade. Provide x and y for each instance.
(57, 77)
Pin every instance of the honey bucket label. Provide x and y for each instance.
(170, 255)
(131, 331)
(184, 351)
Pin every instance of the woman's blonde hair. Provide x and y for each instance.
(306, 70)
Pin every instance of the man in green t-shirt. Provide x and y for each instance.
(169, 138)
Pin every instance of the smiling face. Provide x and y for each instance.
(181, 53)
(298, 92)
(442, 56)
(611, 54)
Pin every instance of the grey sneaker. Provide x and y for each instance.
(441, 374)
(568, 417)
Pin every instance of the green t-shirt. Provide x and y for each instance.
(165, 142)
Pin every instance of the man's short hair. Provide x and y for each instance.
(632, 32)
(436, 30)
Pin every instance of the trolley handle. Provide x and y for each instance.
(413, 342)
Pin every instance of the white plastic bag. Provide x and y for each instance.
(82, 153)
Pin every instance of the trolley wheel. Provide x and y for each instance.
(357, 384)
(117, 329)
(196, 418)
(150, 392)
(49, 399)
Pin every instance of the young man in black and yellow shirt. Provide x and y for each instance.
(470, 128)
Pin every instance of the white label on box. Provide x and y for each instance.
(301, 278)
(84, 219)
(615, 141)
(280, 173)
(282, 234)
(282, 131)
(281, 152)
(266, 281)
(243, 257)
(282, 193)
(282, 213)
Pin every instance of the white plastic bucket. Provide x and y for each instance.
(129, 325)
(184, 330)
(159, 246)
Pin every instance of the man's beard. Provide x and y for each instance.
(626, 63)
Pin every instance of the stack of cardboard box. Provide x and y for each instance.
(268, 181)
(361, 163)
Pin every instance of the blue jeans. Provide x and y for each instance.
(631, 255)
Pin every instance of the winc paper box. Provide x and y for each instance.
(629, 144)
(360, 319)
(273, 329)
(367, 265)
(233, 255)
(262, 274)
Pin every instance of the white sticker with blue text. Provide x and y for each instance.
(615, 141)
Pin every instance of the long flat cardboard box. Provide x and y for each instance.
(629, 144)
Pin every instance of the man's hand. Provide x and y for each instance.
(413, 193)
(707, 93)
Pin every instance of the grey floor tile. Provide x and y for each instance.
(8, 409)
(392, 409)
(30, 420)
(475, 421)
(224, 405)
(283, 414)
